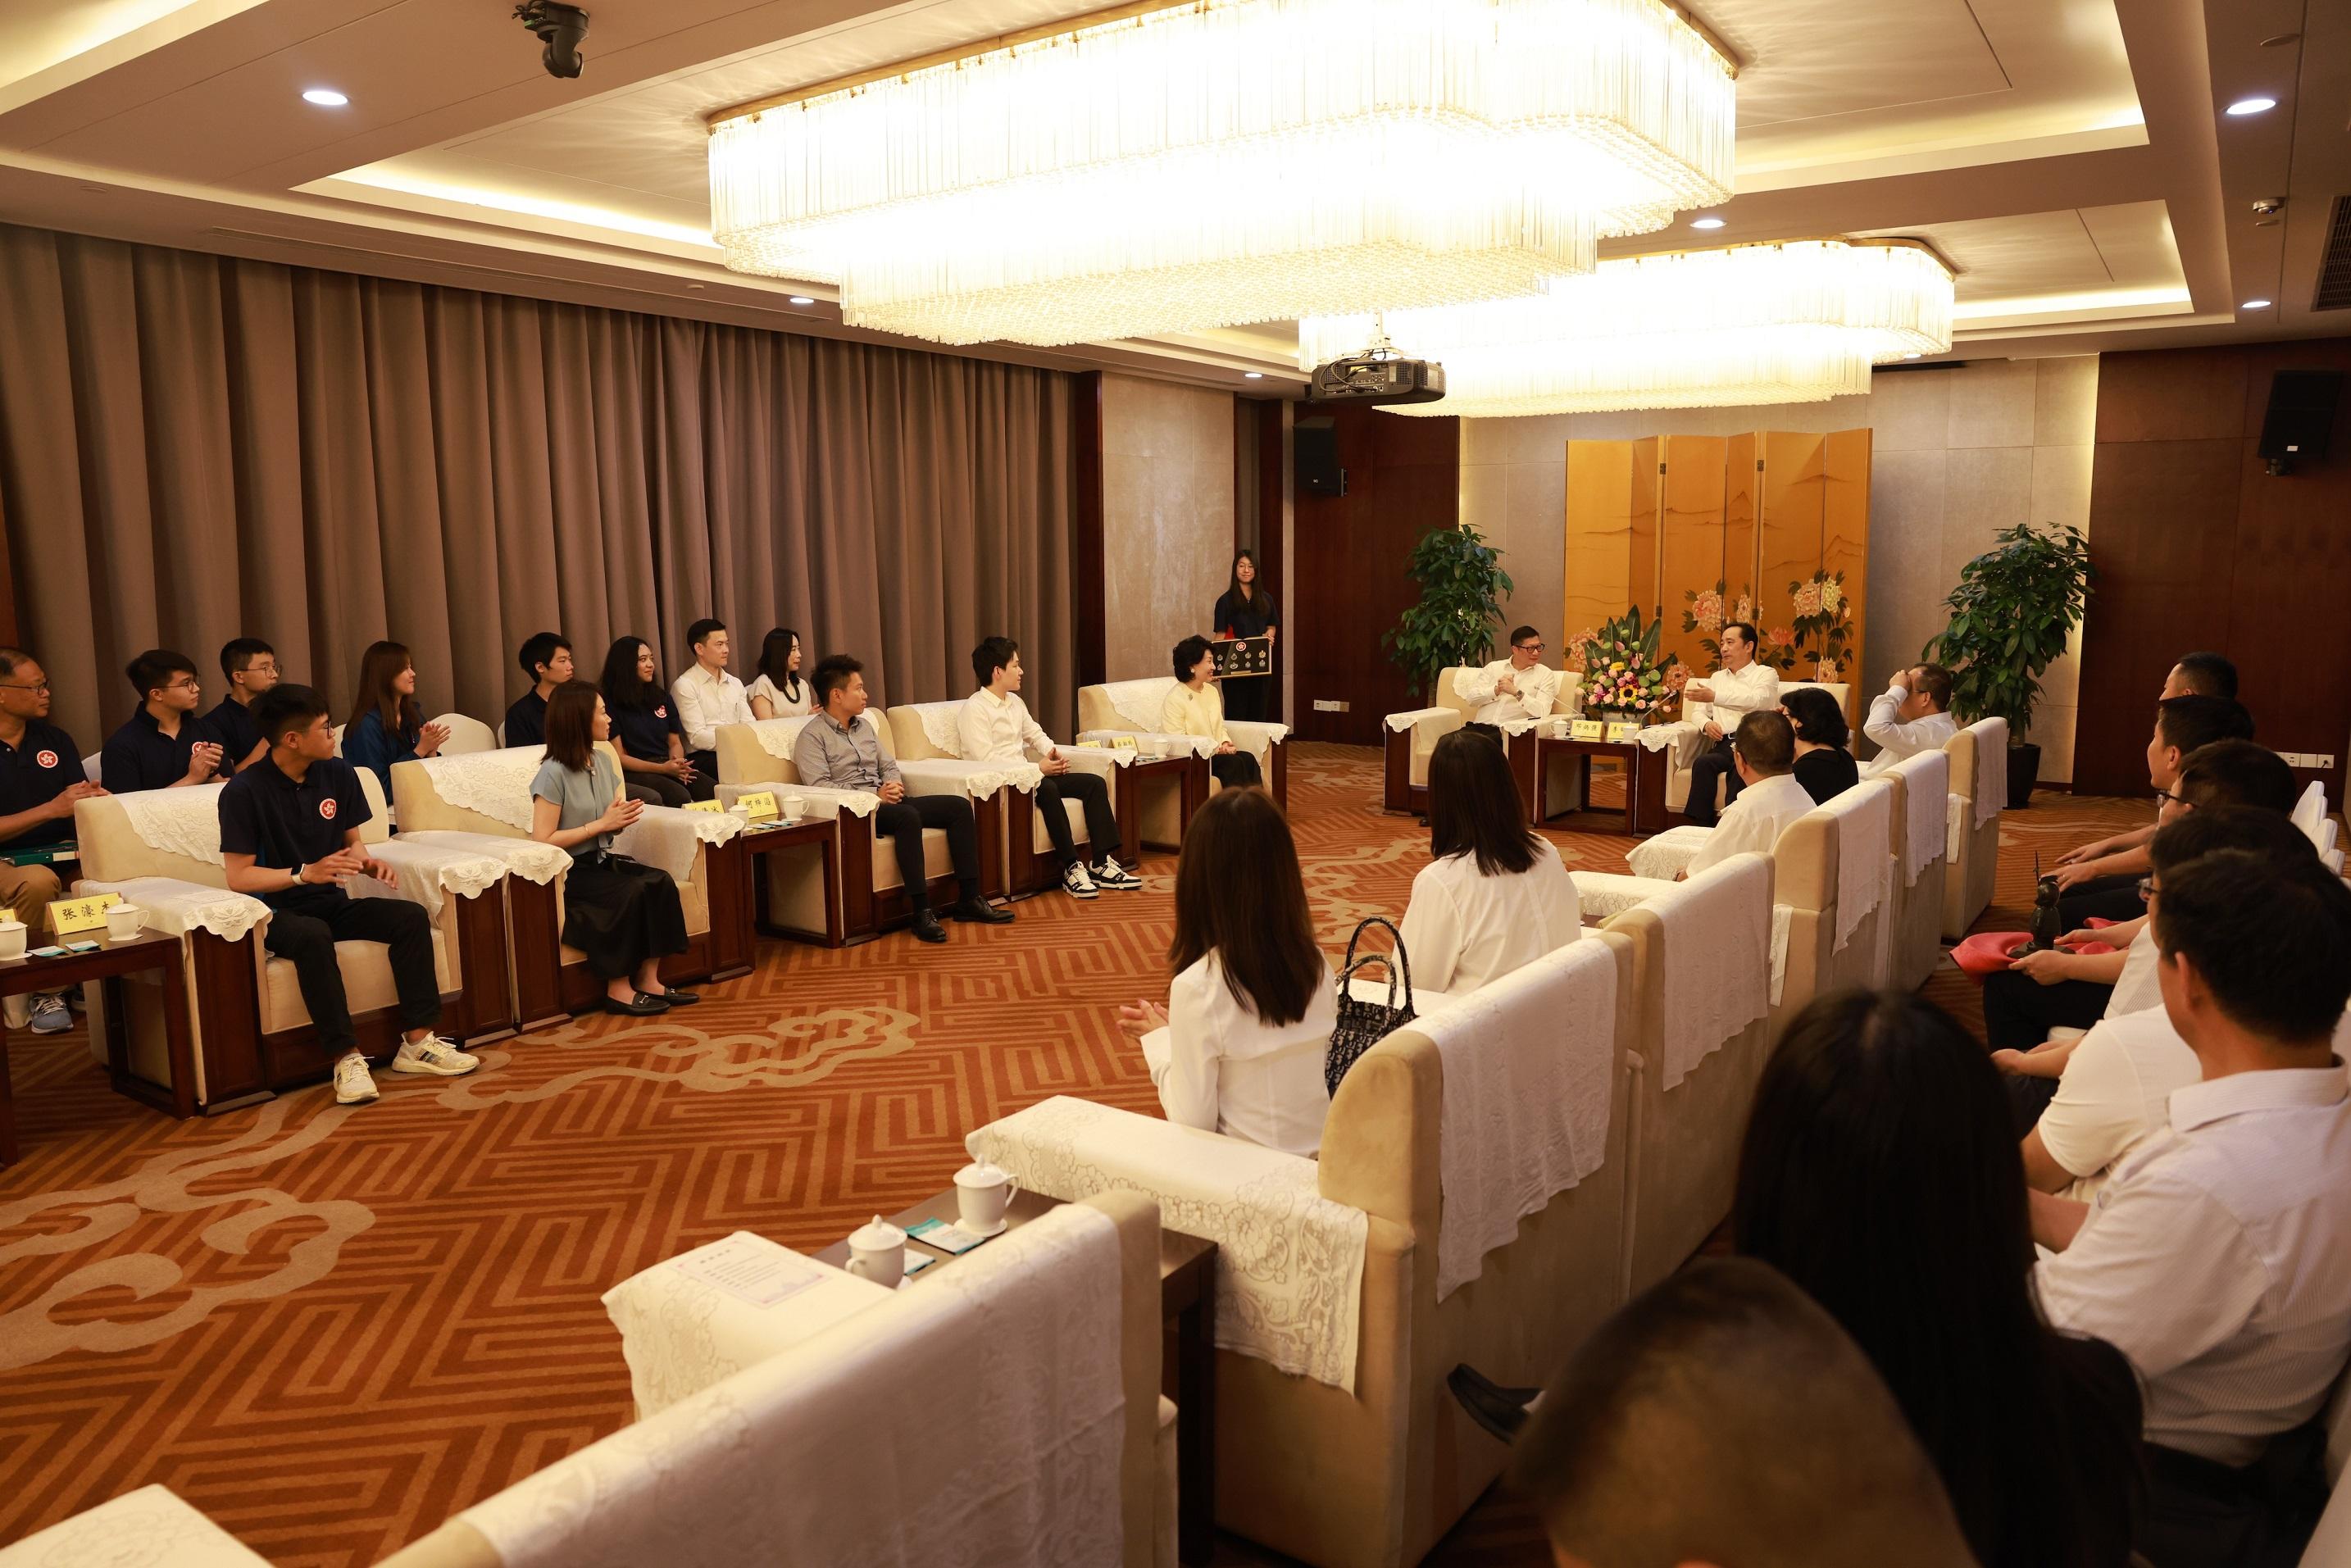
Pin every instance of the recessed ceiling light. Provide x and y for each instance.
(2279, 41)
(803, 299)
(1910, 355)
(2254, 305)
(325, 98)
(1706, 222)
(2245, 106)
(1252, 375)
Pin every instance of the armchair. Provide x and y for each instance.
(1921, 858)
(867, 888)
(1979, 757)
(253, 1036)
(1681, 756)
(151, 1526)
(925, 732)
(1133, 707)
(1412, 735)
(481, 802)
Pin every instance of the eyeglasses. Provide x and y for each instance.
(1529, 647)
(2147, 890)
(18, 686)
(190, 683)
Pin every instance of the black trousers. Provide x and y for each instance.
(1092, 791)
(1492, 732)
(2027, 1098)
(1236, 769)
(2020, 1011)
(2102, 898)
(656, 789)
(706, 774)
(305, 923)
(1710, 765)
(903, 823)
(2204, 1514)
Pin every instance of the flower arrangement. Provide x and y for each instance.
(1621, 671)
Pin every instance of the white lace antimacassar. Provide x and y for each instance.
(185, 822)
(777, 737)
(495, 784)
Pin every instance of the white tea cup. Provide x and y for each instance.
(12, 939)
(878, 1252)
(795, 808)
(124, 921)
(983, 1192)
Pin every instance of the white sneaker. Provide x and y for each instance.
(1109, 873)
(51, 1016)
(354, 1084)
(434, 1055)
(1076, 882)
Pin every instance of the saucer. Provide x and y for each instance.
(997, 1229)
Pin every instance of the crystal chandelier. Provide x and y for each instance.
(1796, 321)
(1214, 162)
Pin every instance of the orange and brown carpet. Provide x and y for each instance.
(330, 1327)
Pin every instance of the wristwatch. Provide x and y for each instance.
(298, 869)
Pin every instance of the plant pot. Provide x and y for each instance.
(2023, 772)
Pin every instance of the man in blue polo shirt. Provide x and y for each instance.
(165, 745)
(250, 667)
(546, 658)
(40, 780)
(290, 837)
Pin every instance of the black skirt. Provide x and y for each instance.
(620, 912)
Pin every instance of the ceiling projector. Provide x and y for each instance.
(1375, 377)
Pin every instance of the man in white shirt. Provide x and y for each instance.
(1763, 749)
(707, 697)
(2218, 1257)
(1716, 705)
(995, 727)
(1911, 715)
(1521, 686)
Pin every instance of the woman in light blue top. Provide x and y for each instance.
(623, 915)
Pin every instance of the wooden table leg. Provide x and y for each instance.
(1196, 1429)
(7, 1106)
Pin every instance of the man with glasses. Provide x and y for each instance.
(165, 745)
(1742, 685)
(1521, 686)
(250, 667)
(40, 780)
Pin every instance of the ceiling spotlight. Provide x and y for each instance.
(803, 299)
(1910, 355)
(2245, 106)
(1252, 375)
(325, 98)
(1706, 222)
(2254, 305)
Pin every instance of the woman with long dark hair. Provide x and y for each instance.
(387, 724)
(1494, 895)
(1250, 1012)
(780, 692)
(623, 915)
(1880, 1173)
(1246, 610)
(1825, 764)
(646, 730)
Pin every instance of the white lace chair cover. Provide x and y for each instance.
(1164, 742)
(1603, 895)
(1683, 738)
(941, 723)
(1865, 816)
(1400, 721)
(1992, 767)
(1925, 802)
(1660, 857)
(1140, 703)
(428, 873)
(1954, 826)
(777, 737)
(175, 907)
(939, 775)
(183, 821)
(496, 784)
(149, 1528)
(671, 839)
(1289, 1262)
(526, 858)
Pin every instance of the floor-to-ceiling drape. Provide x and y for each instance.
(196, 447)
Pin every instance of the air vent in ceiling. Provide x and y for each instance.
(2334, 260)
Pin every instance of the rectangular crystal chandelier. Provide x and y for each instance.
(1793, 321)
(1216, 162)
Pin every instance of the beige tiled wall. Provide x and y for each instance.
(1957, 455)
(1167, 517)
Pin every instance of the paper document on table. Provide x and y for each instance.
(750, 1272)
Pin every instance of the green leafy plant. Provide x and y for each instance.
(2010, 614)
(1461, 583)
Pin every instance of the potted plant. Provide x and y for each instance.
(2014, 607)
(1461, 584)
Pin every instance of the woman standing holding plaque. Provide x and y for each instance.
(1245, 610)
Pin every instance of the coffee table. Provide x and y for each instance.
(817, 833)
(108, 965)
(1188, 1305)
(1644, 810)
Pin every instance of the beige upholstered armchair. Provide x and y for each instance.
(1921, 857)
(468, 735)
(481, 801)
(1337, 1440)
(1411, 736)
(1979, 757)
(251, 1034)
(867, 888)
(1677, 774)
(1134, 708)
(151, 1526)
(925, 732)
(717, 1479)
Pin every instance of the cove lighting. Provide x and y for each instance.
(325, 98)
(2254, 305)
(1706, 222)
(2245, 106)
(1914, 355)
(1252, 375)
(1204, 163)
(803, 299)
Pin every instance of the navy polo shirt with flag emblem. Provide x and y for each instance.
(284, 824)
(34, 772)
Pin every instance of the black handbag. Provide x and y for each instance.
(1362, 1024)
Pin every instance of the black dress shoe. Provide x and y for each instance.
(640, 1006)
(927, 928)
(979, 912)
(678, 998)
(1500, 1411)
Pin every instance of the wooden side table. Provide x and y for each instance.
(1188, 1305)
(1645, 786)
(108, 965)
(816, 834)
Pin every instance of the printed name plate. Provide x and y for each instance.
(1123, 742)
(702, 806)
(68, 915)
(760, 806)
(1622, 731)
(1585, 729)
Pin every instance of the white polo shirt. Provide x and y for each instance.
(1737, 694)
(1537, 694)
(1896, 739)
(1753, 821)
(2117, 1083)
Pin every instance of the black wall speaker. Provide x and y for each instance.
(1314, 446)
(2300, 417)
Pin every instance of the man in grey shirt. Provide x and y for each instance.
(838, 750)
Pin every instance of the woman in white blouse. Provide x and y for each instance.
(1238, 1049)
(1494, 895)
(780, 692)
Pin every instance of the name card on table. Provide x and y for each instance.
(702, 806)
(1624, 731)
(68, 916)
(1585, 729)
(1123, 742)
(1090, 746)
(760, 806)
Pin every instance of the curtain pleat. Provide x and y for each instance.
(196, 447)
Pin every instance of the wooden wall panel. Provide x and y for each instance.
(1089, 579)
(1692, 546)
(1642, 580)
(1795, 485)
(1738, 499)
(1599, 535)
(1844, 544)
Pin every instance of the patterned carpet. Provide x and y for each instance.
(331, 1328)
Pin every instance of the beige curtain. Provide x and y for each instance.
(194, 447)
